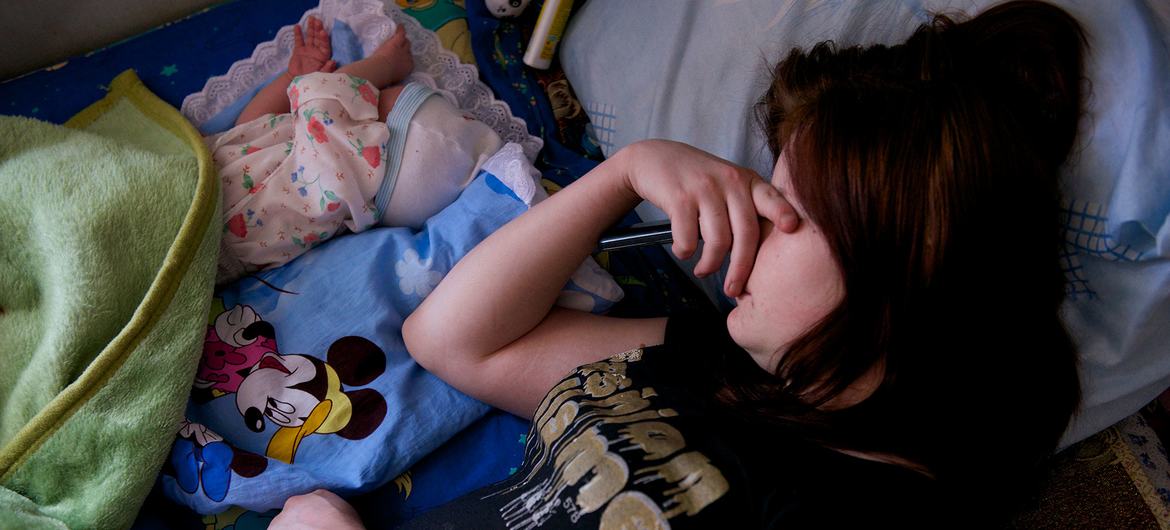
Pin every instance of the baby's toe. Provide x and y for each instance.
(399, 37)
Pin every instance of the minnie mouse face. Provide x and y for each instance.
(232, 347)
(268, 391)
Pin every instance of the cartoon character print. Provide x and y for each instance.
(234, 343)
(303, 395)
(201, 458)
(299, 394)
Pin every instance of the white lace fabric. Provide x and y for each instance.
(372, 21)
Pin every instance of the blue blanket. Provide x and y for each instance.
(231, 30)
(304, 381)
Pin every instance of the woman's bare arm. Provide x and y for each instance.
(517, 376)
(490, 329)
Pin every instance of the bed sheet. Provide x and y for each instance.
(176, 59)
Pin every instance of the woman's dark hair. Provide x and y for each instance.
(931, 167)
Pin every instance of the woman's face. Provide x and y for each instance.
(794, 283)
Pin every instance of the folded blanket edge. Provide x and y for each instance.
(127, 86)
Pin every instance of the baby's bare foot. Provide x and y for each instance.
(312, 49)
(396, 51)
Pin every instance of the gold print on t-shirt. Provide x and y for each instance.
(556, 425)
(628, 356)
(588, 454)
(555, 408)
(566, 384)
(569, 388)
(585, 458)
(697, 482)
(557, 411)
(632, 510)
(602, 384)
(538, 453)
(568, 425)
(631, 418)
(616, 368)
(654, 438)
(602, 380)
(619, 404)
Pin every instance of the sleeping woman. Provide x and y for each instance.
(322, 148)
(896, 356)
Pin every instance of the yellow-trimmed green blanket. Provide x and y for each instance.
(108, 243)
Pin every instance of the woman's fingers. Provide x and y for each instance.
(745, 229)
(771, 205)
(684, 230)
(716, 236)
(703, 192)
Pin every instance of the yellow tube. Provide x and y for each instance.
(550, 26)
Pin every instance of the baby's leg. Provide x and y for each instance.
(311, 53)
(387, 99)
(388, 65)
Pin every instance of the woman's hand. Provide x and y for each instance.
(319, 510)
(707, 195)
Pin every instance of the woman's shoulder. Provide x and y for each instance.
(776, 474)
(616, 442)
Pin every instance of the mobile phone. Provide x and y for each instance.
(639, 235)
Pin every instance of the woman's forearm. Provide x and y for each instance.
(508, 283)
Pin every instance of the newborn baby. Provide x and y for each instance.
(320, 148)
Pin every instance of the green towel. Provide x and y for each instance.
(108, 243)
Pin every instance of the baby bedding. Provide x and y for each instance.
(689, 82)
(304, 382)
(229, 31)
(103, 299)
(358, 26)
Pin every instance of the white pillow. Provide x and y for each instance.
(699, 68)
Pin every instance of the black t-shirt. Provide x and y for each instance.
(637, 442)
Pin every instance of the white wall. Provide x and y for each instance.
(39, 33)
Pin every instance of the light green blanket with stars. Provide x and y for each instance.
(109, 234)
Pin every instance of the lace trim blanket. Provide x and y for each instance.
(372, 22)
